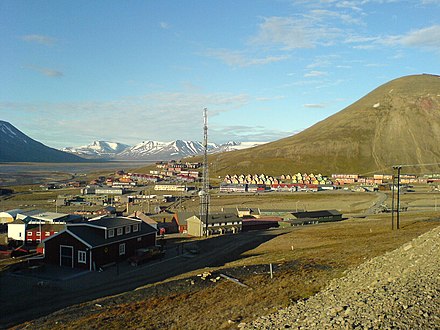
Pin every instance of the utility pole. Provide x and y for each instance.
(204, 192)
(398, 168)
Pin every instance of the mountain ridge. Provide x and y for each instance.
(154, 150)
(16, 146)
(396, 123)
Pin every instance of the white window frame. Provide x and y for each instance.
(127, 229)
(47, 233)
(122, 249)
(82, 257)
(135, 228)
(119, 231)
(29, 233)
(111, 233)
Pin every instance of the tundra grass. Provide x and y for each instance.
(304, 260)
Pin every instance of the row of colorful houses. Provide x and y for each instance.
(304, 178)
(284, 187)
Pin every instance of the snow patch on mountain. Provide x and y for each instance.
(154, 150)
(98, 149)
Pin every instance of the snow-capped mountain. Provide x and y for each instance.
(232, 145)
(98, 149)
(154, 150)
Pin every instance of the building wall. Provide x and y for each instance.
(110, 253)
(100, 256)
(52, 250)
(194, 227)
(17, 231)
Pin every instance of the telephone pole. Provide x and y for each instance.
(398, 168)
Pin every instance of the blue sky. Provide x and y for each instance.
(72, 72)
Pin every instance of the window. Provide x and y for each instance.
(38, 233)
(47, 233)
(139, 239)
(111, 233)
(127, 229)
(120, 231)
(29, 233)
(121, 249)
(82, 257)
(19, 234)
(135, 227)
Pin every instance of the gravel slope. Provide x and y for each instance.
(399, 290)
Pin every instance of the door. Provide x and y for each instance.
(66, 256)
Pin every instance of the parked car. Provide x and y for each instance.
(145, 254)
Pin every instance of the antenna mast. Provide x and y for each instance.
(204, 192)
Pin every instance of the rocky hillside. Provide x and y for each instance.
(397, 123)
(398, 290)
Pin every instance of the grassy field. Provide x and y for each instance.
(304, 260)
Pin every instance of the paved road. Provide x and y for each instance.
(23, 299)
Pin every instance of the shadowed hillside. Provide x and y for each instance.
(397, 123)
(16, 146)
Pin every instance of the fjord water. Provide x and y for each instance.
(35, 173)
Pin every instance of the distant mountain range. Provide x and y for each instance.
(16, 146)
(153, 150)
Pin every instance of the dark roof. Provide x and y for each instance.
(317, 214)
(112, 222)
(91, 236)
(221, 217)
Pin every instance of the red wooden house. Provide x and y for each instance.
(98, 242)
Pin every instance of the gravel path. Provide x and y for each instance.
(399, 290)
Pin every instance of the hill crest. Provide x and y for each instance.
(397, 123)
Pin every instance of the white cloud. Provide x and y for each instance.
(314, 105)
(39, 39)
(240, 59)
(164, 25)
(248, 133)
(48, 72)
(315, 74)
(323, 14)
(293, 33)
(426, 38)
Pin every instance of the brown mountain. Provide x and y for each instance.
(397, 123)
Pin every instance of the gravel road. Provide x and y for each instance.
(398, 290)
